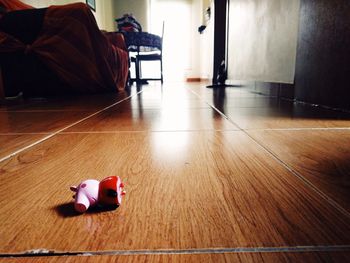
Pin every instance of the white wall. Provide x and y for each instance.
(206, 44)
(193, 71)
(104, 15)
(46, 3)
(104, 11)
(201, 45)
(263, 40)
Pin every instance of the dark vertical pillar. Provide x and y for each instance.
(323, 54)
(219, 35)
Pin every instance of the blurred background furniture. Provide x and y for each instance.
(144, 46)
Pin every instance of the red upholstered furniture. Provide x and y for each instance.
(59, 50)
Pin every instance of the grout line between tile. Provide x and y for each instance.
(291, 249)
(284, 164)
(147, 131)
(65, 128)
(299, 129)
(45, 110)
(23, 133)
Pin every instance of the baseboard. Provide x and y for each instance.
(197, 80)
(193, 79)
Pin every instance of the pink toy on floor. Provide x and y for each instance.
(91, 192)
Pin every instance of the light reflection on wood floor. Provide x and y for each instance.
(208, 172)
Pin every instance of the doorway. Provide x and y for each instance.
(176, 15)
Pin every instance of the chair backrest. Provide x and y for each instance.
(161, 38)
(163, 30)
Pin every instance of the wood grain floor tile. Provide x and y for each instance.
(170, 96)
(234, 92)
(70, 103)
(177, 93)
(307, 257)
(167, 103)
(184, 190)
(9, 105)
(254, 111)
(12, 143)
(254, 102)
(287, 117)
(126, 117)
(321, 156)
(38, 122)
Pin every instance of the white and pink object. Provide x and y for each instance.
(91, 192)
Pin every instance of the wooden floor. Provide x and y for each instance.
(211, 176)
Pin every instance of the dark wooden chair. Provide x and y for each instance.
(149, 56)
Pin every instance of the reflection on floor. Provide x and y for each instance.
(211, 176)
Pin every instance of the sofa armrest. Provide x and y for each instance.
(117, 39)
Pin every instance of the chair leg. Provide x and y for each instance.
(137, 69)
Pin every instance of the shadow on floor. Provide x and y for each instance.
(67, 209)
